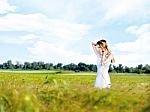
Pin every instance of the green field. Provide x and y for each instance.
(45, 92)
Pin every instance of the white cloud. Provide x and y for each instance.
(49, 37)
(29, 38)
(38, 23)
(138, 51)
(71, 10)
(145, 28)
(25, 39)
(5, 7)
(52, 53)
(132, 59)
(116, 9)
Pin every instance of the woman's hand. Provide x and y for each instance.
(94, 44)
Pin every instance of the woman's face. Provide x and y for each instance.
(101, 47)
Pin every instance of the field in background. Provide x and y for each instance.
(72, 92)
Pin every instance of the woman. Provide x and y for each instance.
(104, 59)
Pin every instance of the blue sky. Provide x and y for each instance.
(62, 30)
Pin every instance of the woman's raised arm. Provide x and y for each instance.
(95, 48)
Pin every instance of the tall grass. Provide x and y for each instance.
(69, 93)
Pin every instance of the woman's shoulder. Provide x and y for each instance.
(109, 53)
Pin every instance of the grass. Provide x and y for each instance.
(21, 92)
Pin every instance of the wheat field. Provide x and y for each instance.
(73, 92)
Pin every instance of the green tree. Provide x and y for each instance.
(9, 64)
(83, 67)
(27, 65)
(59, 66)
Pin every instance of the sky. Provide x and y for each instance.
(56, 31)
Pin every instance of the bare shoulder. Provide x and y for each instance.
(110, 54)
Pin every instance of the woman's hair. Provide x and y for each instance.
(104, 43)
(103, 40)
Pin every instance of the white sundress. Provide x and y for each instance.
(102, 76)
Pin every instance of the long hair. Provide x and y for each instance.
(104, 43)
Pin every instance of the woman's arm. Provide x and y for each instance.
(109, 58)
(94, 48)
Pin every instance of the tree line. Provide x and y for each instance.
(80, 67)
